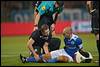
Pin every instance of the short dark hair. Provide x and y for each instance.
(44, 27)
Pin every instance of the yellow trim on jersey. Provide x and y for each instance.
(35, 8)
(43, 8)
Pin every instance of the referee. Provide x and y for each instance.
(93, 8)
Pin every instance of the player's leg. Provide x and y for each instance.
(62, 53)
(57, 56)
(23, 59)
(62, 59)
(97, 40)
(95, 26)
(47, 58)
(57, 59)
(83, 57)
(29, 59)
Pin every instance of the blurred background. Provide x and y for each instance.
(21, 12)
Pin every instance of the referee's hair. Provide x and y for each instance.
(44, 27)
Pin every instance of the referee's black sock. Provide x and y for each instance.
(98, 45)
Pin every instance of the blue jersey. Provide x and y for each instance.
(72, 45)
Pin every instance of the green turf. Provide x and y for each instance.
(11, 47)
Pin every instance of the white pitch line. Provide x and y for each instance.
(9, 55)
(18, 55)
(12, 55)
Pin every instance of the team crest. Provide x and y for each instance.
(43, 7)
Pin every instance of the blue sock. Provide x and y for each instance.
(52, 60)
(30, 59)
(40, 56)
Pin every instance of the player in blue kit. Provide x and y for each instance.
(72, 52)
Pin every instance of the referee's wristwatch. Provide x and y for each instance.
(35, 25)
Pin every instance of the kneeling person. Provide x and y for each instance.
(73, 44)
(39, 39)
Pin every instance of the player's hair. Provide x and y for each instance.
(44, 27)
(66, 29)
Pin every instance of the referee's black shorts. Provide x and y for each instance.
(44, 19)
(95, 22)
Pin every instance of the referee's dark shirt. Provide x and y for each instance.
(95, 4)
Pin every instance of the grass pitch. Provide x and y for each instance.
(12, 46)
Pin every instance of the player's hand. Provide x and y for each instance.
(46, 56)
(52, 27)
(36, 56)
(35, 27)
